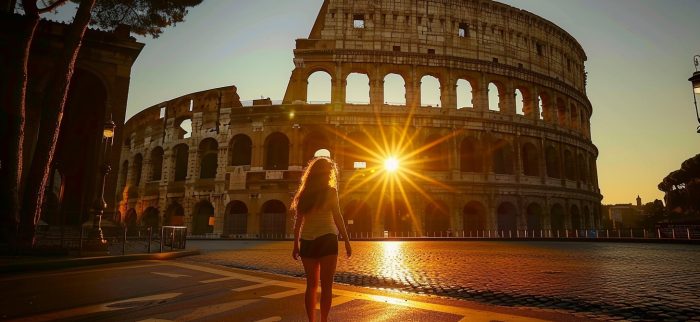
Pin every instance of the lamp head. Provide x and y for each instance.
(108, 129)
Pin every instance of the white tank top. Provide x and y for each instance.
(318, 223)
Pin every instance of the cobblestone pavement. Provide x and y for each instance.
(610, 281)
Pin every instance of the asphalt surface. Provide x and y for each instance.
(606, 281)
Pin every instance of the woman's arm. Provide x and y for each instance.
(339, 221)
(297, 235)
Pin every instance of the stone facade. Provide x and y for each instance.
(526, 163)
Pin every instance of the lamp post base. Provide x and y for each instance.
(95, 244)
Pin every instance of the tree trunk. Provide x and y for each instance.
(50, 125)
(13, 106)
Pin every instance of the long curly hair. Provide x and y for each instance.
(319, 179)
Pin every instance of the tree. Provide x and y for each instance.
(22, 186)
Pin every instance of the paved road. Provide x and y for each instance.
(602, 280)
(176, 291)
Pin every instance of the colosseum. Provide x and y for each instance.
(515, 155)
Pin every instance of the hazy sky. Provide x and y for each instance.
(639, 59)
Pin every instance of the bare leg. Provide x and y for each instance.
(311, 267)
(328, 264)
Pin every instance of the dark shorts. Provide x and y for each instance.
(321, 246)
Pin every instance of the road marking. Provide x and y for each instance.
(271, 319)
(209, 310)
(155, 320)
(252, 287)
(170, 274)
(78, 271)
(284, 294)
(337, 301)
(216, 280)
(105, 307)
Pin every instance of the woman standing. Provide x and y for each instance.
(317, 223)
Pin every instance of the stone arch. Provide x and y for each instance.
(276, 152)
(357, 147)
(130, 219)
(138, 169)
(465, 93)
(470, 155)
(156, 163)
(358, 217)
(528, 107)
(561, 112)
(397, 216)
(273, 219)
(183, 126)
(437, 219)
(430, 91)
(530, 159)
(357, 88)
(474, 216)
(174, 215)
(394, 89)
(519, 102)
(507, 217)
(502, 157)
(202, 218)
(552, 162)
(151, 218)
(181, 155)
(319, 87)
(542, 102)
(494, 95)
(546, 107)
(314, 141)
(435, 154)
(208, 158)
(569, 165)
(575, 218)
(534, 216)
(557, 217)
(236, 218)
(240, 150)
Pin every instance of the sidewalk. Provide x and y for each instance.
(156, 290)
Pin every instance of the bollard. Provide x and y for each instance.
(673, 233)
(607, 233)
(688, 231)
(557, 233)
(566, 231)
(81, 241)
(172, 241)
(124, 242)
(509, 233)
(618, 233)
(644, 232)
(576, 233)
(150, 235)
(489, 233)
(162, 235)
(517, 233)
(658, 233)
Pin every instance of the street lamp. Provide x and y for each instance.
(97, 242)
(695, 80)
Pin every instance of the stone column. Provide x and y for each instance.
(448, 93)
(376, 90)
(507, 101)
(480, 94)
(534, 111)
(221, 162)
(192, 165)
(297, 88)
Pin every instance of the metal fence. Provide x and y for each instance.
(120, 240)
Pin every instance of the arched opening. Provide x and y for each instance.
(130, 220)
(273, 219)
(437, 219)
(184, 128)
(507, 216)
(138, 167)
(494, 98)
(203, 218)
(586, 213)
(156, 164)
(208, 158)
(313, 142)
(465, 94)
(540, 108)
(561, 112)
(240, 150)
(556, 216)
(502, 157)
(319, 88)
(236, 218)
(356, 151)
(553, 165)
(434, 157)
(358, 218)
(534, 216)
(151, 218)
(174, 215)
(519, 103)
(181, 153)
(470, 155)
(575, 218)
(430, 91)
(531, 160)
(474, 216)
(569, 165)
(276, 152)
(394, 90)
(397, 217)
(357, 89)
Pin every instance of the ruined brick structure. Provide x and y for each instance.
(525, 163)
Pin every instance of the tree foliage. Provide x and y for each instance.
(146, 17)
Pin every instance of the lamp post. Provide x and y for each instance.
(695, 80)
(97, 241)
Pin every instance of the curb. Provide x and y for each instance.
(88, 261)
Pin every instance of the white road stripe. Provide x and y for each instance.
(337, 301)
(271, 319)
(170, 274)
(210, 310)
(252, 287)
(284, 294)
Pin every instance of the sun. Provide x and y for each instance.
(391, 164)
